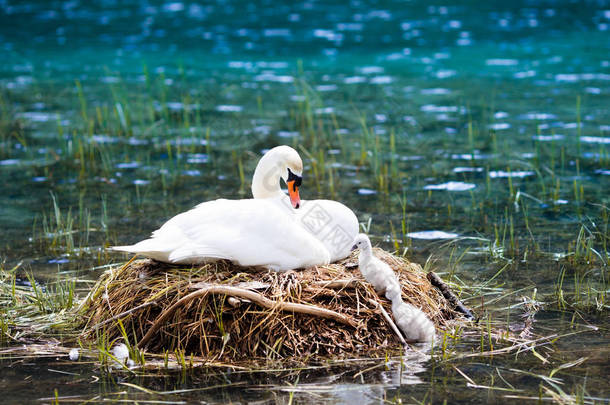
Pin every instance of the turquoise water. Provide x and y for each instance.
(474, 134)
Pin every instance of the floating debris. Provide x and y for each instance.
(74, 354)
(120, 352)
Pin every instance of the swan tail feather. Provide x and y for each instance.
(126, 248)
(147, 245)
(195, 254)
(152, 248)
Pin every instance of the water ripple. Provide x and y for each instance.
(467, 169)
(432, 235)
(502, 174)
(595, 139)
(229, 108)
(451, 186)
(501, 62)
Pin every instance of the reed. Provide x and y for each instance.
(552, 225)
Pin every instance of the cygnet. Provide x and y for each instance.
(413, 323)
(376, 272)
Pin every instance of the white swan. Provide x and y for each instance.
(331, 222)
(413, 323)
(249, 232)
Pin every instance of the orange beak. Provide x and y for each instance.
(293, 192)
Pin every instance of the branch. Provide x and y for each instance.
(122, 314)
(389, 321)
(337, 284)
(436, 281)
(249, 295)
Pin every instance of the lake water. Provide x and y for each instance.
(474, 134)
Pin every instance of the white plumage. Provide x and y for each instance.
(120, 352)
(330, 222)
(376, 272)
(413, 323)
(264, 231)
(247, 232)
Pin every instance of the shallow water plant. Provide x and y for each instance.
(121, 151)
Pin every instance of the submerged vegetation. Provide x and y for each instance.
(528, 231)
(503, 338)
(473, 140)
(546, 206)
(30, 311)
(119, 146)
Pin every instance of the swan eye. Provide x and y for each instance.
(293, 177)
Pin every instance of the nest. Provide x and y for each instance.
(222, 311)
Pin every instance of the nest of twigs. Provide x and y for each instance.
(222, 311)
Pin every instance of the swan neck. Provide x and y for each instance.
(266, 179)
(366, 253)
(397, 304)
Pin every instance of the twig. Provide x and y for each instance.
(389, 321)
(345, 283)
(91, 295)
(331, 287)
(436, 281)
(464, 375)
(250, 295)
(122, 314)
(545, 340)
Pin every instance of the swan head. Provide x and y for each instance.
(293, 181)
(291, 171)
(362, 242)
(280, 162)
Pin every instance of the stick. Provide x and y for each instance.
(257, 285)
(436, 281)
(331, 287)
(94, 291)
(122, 314)
(252, 296)
(389, 320)
(334, 284)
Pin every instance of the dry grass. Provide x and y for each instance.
(225, 312)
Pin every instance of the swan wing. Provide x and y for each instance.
(249, 232)
(331, 222)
